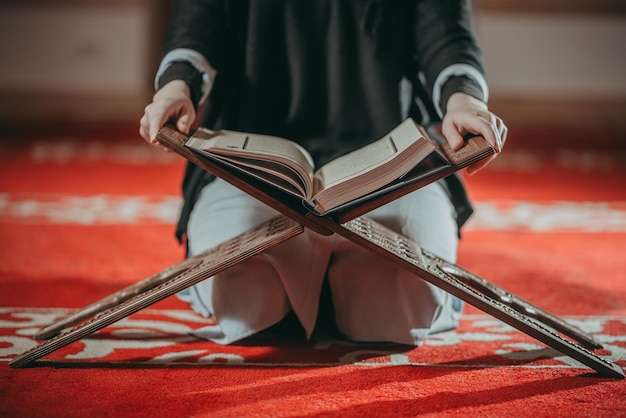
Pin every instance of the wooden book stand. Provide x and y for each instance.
(455, 280)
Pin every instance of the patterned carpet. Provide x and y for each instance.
(85, 212)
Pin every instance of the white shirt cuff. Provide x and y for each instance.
(453, 71)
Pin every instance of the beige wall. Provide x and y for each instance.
(568, 56)
(95, 60)
(77, 59)
(559, 66)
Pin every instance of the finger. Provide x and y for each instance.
(157, 120)
(484, 125)
(452, 134)
(494, 122)
(144, 129)
(500, 133)
(502, 130)
(476, 167)
(184, 122)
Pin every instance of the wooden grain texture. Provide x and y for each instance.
(176, 278)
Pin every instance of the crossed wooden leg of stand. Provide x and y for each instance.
(461, 283)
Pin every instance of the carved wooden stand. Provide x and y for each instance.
(455, 280)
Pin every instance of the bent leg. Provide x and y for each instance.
(374, 299)
(260, 291)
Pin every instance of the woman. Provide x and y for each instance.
(332, 75)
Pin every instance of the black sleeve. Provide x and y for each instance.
(186, 72)
(443, 36)
(460, 84)
(203, 26)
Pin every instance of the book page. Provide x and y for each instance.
(357, 162)
(235, 143)
(258, 151)
(281, 175)
(371, 156)
(372, 167)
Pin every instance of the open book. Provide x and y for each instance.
(405, 155)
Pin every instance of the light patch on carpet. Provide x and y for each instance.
(162, 337)
(581, 160)
(136, 152)
(549, 216)
(66, 151)
(557, 216)
(88, 210)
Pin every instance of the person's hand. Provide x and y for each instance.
(171, 103)
(468, 115)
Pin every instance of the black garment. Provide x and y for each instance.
(324, 73)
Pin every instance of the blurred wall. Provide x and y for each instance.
(558, 61)
(78, 60)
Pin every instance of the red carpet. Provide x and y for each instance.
(85, 213)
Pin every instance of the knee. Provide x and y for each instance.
(250, 291)
(221, 213)
(386, 303)
(426, 217)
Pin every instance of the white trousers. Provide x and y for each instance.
(374, 300)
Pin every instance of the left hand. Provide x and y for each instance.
(466, 114)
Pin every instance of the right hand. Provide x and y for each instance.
(172, 103)
(466, 114)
